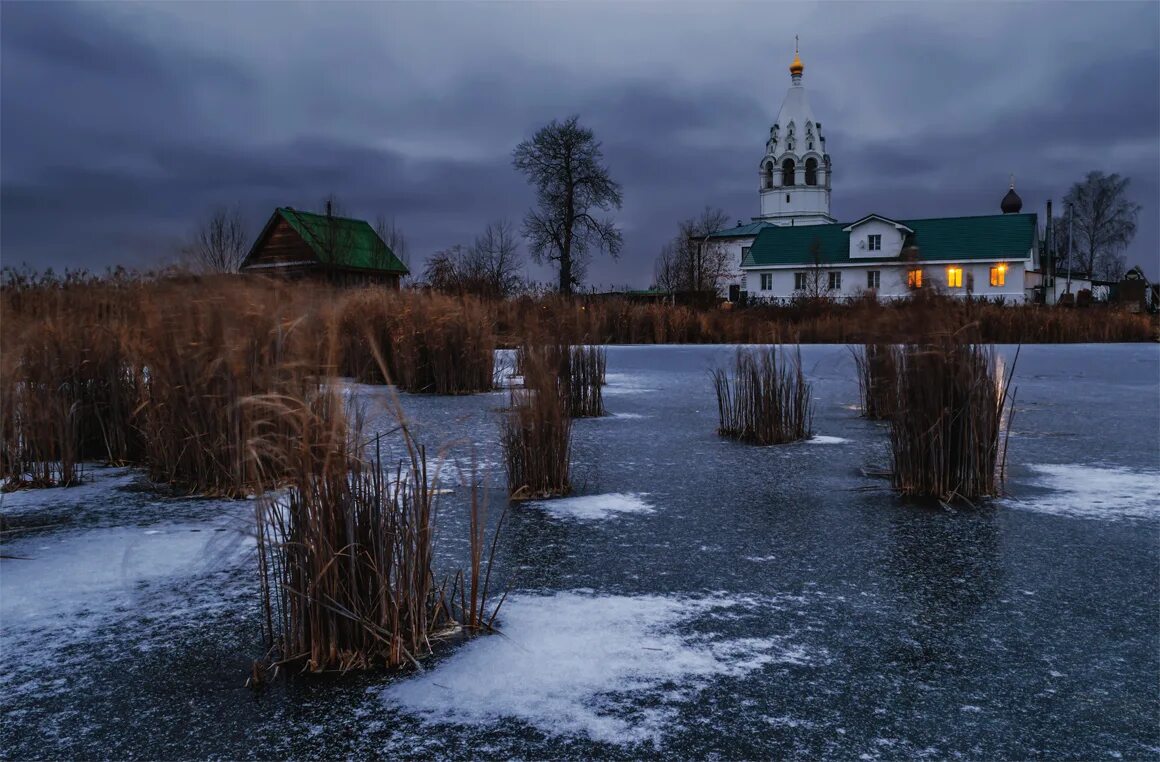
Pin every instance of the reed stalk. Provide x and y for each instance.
(766, 400)
(877, 379)
(946, 431)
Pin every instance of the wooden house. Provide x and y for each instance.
(339, 250)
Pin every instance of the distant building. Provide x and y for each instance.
(336, 249)
(796, 248)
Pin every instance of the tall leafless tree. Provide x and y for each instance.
(220, 242)
(563, 160)
(1103, 223)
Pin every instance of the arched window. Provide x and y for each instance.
(767, 175)
(811, 171)
(787, 169)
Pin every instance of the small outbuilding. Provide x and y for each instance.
(339, 250)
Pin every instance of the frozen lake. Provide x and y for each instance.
(695, 597)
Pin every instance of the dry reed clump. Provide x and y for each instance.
(579, 370)
(945, 432)
(346, 549)
(71, 393)
(877, 377)
(536, 432)
(422, 343)
(767, 399)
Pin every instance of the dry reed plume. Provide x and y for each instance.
(767, 399)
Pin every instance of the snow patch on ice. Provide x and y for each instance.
(596, 507)
(1093, 492)
(612, 668)
(822, 439)
(760, 559)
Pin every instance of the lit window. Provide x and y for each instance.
(999, 275)
(799, 281)
(914, 279)
(767, 281)
(835, 281)
(954, 277)
(873, 279)
(874, 242)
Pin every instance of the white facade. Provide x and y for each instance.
(854, 280)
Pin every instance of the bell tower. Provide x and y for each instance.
(794, 174)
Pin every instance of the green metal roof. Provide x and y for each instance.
(998, 236)
(742, 231)
(349, 242)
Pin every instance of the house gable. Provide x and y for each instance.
(299, 238)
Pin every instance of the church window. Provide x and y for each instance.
(914, 279)
(787, 198)
(999, 275)
(799, 281)
(811, 170)
(873, 278)
(787, 172)
(954, 277)
(874, 242)
(835, 281)
(810, 145)
(767, 175)
(767, 281)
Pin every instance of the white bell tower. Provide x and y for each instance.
(795, 171)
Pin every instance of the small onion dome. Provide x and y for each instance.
(797, 67)
(1011, 203)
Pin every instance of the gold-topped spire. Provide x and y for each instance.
(797, 67)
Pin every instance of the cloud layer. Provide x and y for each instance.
(121, 124)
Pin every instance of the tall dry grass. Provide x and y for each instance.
(877, 380)
(536, 432)
(766, 399)
(946, 434)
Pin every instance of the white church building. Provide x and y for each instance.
(796, 248)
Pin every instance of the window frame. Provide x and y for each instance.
(874, 279)
(954, 276)
(874, 242)
(914, 278)
(998, 276)
(766, 281)
(834, 282)
(799, 281)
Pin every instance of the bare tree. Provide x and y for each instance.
(564, 162)
(494, 260)
(693, 261)
(1103, 223)
(392, 235)
(817, 285)
(220, 243)
(444, 270)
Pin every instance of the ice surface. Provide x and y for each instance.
(1093, 492)
(625, 383)
(98, 569)
(612, 668)
(97, 481)
(596, 507)
(822, 439)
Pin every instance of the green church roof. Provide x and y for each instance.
(349, 242)
(742, 231)
(998, 236)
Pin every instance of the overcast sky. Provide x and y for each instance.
(122, 124)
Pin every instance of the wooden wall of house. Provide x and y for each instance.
(282, 244)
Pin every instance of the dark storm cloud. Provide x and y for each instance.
(121, 124)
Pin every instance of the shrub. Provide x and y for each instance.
(766, 401)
